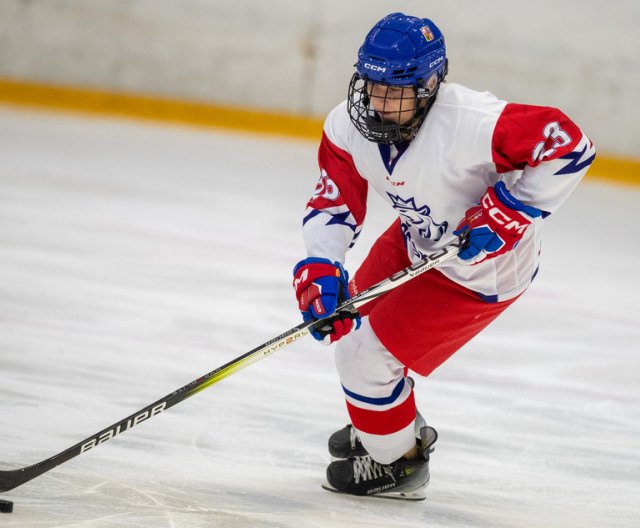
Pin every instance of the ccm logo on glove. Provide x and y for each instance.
(495, 226)
(501, 216)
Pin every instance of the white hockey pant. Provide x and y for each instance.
(379, 399)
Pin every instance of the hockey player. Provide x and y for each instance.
(450, 161)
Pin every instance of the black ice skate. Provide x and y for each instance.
(345, 443)
(402, 479)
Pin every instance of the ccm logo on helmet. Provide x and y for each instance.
(373, 67)
(437, 61)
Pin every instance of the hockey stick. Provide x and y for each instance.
(16, 477)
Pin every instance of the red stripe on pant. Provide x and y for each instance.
(383, 422)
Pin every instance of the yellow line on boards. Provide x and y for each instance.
(615, 169)
(158, 109)
(608, 167)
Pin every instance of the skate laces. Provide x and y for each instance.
(353, 437)
(365, 468)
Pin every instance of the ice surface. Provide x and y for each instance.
(135, 258)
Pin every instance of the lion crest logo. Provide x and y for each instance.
(419, 218)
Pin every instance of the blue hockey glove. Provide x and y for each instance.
(495, 226)
(321, 286)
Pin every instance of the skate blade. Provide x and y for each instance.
(418, 494)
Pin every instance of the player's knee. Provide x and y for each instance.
(365, 366)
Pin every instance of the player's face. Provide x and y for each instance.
(393, 103)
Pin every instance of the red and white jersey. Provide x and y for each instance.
(468, 142)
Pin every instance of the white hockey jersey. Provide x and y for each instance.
(468, 142)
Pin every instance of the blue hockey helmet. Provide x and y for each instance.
(399, 51)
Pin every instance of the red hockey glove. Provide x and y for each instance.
(321, 286)
(495, 226)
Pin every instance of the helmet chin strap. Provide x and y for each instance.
(421, 113)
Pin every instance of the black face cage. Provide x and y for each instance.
(371, 125)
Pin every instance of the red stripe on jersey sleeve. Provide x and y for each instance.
(529, 135)
(340, 183)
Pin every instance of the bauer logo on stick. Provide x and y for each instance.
(115, 431)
